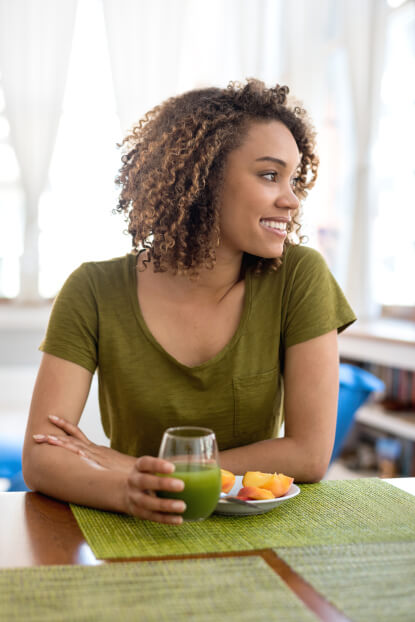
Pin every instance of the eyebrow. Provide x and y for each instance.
(276, 160)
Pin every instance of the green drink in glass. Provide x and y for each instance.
(193, 451)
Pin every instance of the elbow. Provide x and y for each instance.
(313, 478)
(27, 472)
(30, 467)
(315, 470)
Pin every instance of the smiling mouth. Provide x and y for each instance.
(275, 226)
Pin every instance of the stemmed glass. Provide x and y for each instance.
(194, 453)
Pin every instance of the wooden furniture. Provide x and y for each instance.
(36, 530)
(390, 343)
(385, 342)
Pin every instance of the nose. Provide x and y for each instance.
(286, 198)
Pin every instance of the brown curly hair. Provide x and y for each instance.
(173, 166)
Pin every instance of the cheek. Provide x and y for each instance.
(243, 204)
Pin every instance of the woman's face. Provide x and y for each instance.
(258, 199)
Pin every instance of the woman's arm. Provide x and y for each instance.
(311, 385)
(61, 389)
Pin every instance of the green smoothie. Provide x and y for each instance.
(202, 485)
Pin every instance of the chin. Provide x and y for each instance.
(274, 253)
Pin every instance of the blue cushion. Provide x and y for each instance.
(356, 385)
(17, 483)
(10, 457)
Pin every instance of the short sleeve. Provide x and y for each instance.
(314, 302)
(72, 332)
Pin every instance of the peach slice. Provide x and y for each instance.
(278, 484)
(253, 492)
(255, 478)
(228, 480)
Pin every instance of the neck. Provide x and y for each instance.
(210, 287)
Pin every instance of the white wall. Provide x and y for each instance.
(21, 332)
(16, 385)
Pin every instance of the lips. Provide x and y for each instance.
(274, 224)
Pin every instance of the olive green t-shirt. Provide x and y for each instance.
(96, 322)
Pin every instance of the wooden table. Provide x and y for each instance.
(36, 530)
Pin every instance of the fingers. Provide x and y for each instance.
(167, 519)
(62, 441)
(156, 504)
(143, 481)
(147, 481)
(153, 508)
(148, 464)
(69, 428)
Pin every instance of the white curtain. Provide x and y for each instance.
(159, 48)
(164, 47)
(144, 40)
(305, 40)
(230, 40)
(365, 38)
(35, 41)
(313, 32)
(314, 67)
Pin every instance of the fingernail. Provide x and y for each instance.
(52, 438)
(178, 506)
(39, 437)
(177, 484)
(54, 417)
(177, 520)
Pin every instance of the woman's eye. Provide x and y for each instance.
(295, 181)
(270, 176)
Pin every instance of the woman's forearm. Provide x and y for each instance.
(280, 455)
(59, 473)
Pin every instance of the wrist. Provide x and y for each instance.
(127, 463)
(119, 484)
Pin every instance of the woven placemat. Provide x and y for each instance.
(206, 590)
(367, 582)
(344, 511)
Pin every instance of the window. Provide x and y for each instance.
(75, 216)
(75, 212)
(11, 210)
(325, 223)
(394, 164)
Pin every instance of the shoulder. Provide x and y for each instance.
(102, 273)
(302, 265)
(108, 267)
(302, 268)
(96, 281)
(304, 256)
(298, 262)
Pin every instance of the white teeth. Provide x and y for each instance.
(274, 224)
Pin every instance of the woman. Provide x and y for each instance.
(220, 319)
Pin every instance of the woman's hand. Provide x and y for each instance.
(74, 440)
(141, 475)
(140, 492)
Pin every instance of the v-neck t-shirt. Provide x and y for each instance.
(96, 322)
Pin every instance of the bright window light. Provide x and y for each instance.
(394, 225)
(75, 213)
(11, 211)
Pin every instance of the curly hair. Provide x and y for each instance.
(173, 167)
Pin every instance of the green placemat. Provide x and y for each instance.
(207, 590)
(344, 511)
(368, 582)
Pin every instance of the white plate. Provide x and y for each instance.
(227, 507)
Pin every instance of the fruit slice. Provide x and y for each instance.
(254, 493)
(279, 484)
(228, 480)
(255, 478)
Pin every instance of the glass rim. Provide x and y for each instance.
(204, 431)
